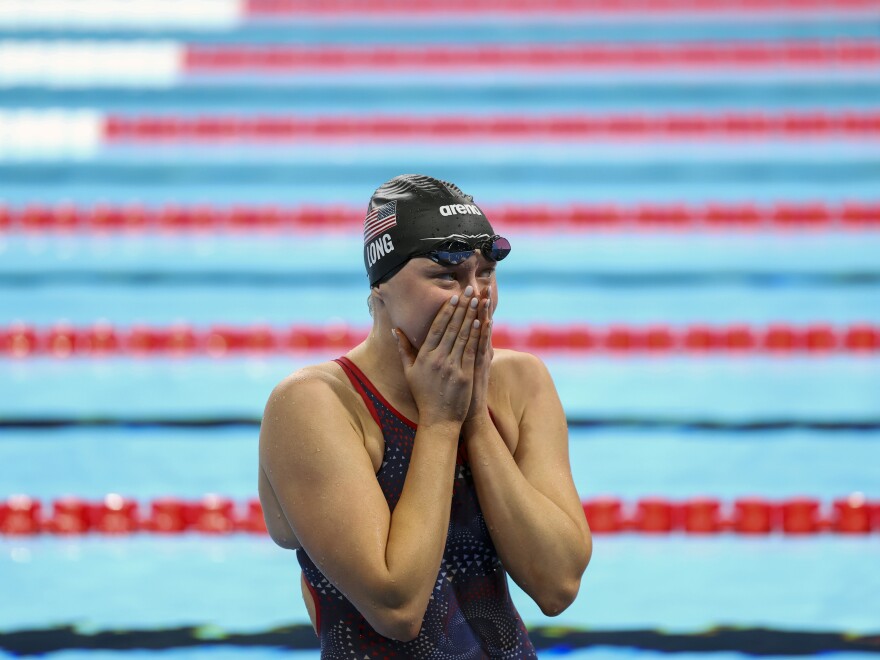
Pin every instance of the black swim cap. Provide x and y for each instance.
(410, 214)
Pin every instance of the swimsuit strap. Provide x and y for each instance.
(369, 393)
(351, 371)
(363, 385)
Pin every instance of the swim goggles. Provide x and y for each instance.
(455, 251)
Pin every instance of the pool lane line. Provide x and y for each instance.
(529, 9)
(737, 55)
(756, 641)
(271, 129)
(219, 16)
(852, 515)
(617, 280)
(166, 63)
(62, 340)
(712, 216)
(682, 424)
(87, 133)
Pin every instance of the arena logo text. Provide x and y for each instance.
(460, 209)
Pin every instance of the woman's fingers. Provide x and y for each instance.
(485, 332)
(469, 353)
(455, 326)
(404, 348)
(441, 322)
(491, 324)
(482, 347)
(468, 331)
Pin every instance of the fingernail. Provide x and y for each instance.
(393, 334)
(476, 323)
(489, 292)
(454, 301)
(469, 291)
(488, 302)
(474, 303)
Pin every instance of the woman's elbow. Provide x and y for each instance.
(560, 591)
(400, 625)
(554, 602)
(392, 611)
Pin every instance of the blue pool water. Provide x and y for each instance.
(672, 425)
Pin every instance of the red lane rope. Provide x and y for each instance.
(572, 217)
(182, 340)
(21, 515)
(652, 57)
(737, 126)
(276, 8)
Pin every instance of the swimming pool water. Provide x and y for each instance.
(673, 425)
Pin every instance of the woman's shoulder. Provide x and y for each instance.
(517, 364)
(323, 384)
(516, 376)
(310, 374)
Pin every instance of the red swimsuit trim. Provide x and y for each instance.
(345, 362)
(317, 602)
(360, 381)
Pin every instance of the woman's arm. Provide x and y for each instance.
(529, 499)
(324, 481)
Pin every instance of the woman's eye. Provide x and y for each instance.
(446, 276)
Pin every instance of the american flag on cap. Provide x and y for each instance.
(380, 219)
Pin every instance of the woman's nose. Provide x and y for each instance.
(472, 279)
(478, 291)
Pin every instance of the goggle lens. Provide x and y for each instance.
(455, 252)
(497, 249)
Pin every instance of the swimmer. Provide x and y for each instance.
(415, 473)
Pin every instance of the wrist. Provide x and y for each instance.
(443, 426)
(476, 422)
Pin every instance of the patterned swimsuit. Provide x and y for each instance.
(470, 613)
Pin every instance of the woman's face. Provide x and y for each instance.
(415, 294)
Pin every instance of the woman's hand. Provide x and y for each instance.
(441, 373)
(483, 361)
